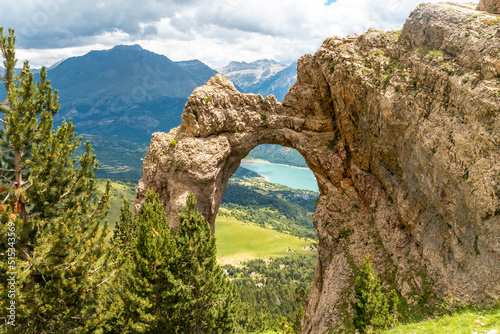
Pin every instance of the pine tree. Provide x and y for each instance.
(208, 303)
(172, 283)
(149, 286)
(51, 206)
(115, 319)
(372, 309)
(125, 231)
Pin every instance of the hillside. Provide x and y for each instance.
(250, 199)
(238, 242)
(461, 321)
(117, 159)
(277, 154)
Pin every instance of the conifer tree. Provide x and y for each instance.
(208, 303)
(51, 206)
(373, 311)
(115, 319)
(172, 283)
(125, 231)
(149, 286)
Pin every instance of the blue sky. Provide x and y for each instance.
(216, 31)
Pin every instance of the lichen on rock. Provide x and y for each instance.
(402, 131)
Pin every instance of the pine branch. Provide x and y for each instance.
(96, 269)
(7, 180)
(98, 207)
(107, 279)
(70, 190)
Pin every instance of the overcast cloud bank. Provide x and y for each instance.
(215, 32)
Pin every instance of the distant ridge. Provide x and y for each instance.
(263, 76)
(278, 84)
(250, 75)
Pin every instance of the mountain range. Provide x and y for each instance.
(117, 98)
(264, 77)
(127, 92)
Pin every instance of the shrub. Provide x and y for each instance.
(173, 143)
(373, 310)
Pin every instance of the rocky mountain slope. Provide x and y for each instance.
(249, 76)
(278, 84)
(402, 130)
(490, 6)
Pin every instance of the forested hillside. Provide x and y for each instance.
(278, 154)
(273, 292)
(250, 199)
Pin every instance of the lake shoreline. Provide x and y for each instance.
(262, 161)
(290, 176)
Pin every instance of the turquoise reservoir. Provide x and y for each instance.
(293, 177)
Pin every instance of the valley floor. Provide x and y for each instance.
(238, 241)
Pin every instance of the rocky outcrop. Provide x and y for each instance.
(401, 129)
(490, 6)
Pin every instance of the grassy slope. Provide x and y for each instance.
(119, 191)
(237, 241)
(466, 321)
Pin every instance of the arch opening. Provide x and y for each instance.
(266, 240)
(266, 195)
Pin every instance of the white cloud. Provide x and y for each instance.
(215, 32)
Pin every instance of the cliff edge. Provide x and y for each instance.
(402, 131)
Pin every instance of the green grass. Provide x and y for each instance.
(237, 241)
(467, 321)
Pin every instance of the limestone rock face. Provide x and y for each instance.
(489, 5)
(402, 131)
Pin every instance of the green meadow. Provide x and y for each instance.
(119, 191)
(237, 241)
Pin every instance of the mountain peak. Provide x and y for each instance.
(247, 75)
(135, 47)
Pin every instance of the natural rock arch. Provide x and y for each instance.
(403, 142)
(220, 126)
